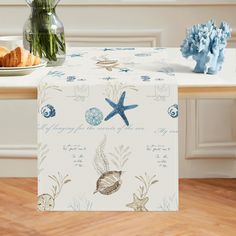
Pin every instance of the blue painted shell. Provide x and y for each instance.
(48, 111)
(94, 116)
(173, 111)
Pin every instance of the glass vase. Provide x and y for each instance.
(43, 33)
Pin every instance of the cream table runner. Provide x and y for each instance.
(108, 132)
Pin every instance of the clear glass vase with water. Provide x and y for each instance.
(43, 33)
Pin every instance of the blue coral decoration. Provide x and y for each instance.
(173, 111)
(48, 111)
(119, 108)
(206, 44)
(94, 116)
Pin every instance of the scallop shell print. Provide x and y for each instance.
(109, 181)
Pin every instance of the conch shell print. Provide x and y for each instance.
(109, 181)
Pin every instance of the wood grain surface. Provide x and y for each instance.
(207, 208)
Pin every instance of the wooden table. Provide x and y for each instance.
(190, 84)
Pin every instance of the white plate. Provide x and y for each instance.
(17, 71)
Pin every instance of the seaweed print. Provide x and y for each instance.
(113, 91)
(141, 198)
(109, 181)
(169, 203)
(120, 156)
(44, 90)
(43, 151)
(81, 204)
(46, 201)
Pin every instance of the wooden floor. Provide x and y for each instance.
(207, 208)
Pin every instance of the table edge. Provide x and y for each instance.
(31, 92)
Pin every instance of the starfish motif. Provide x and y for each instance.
(119, 108)
(138, 204)
(124, 70)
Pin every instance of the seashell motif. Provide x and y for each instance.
(173, 111)
(109, 182)
(107, 64)
(48, 111)
(46, 202)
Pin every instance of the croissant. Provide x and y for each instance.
(3, 52)
(20, 57)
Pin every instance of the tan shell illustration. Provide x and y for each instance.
(46, 202)
(109, 182)
(107, 64)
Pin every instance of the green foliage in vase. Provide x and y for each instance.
(45, 40)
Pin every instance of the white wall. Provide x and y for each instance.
(207, 126)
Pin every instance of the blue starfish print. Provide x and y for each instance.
(124, 70)
(119, 108)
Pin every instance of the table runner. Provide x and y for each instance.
(108, 132)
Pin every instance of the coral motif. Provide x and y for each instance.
(119, 108)
(43, 151)
(114, 90)
(206, 44)
(109, 181)
(81, 204)
(141, 199)
(94, 116)
(46, 202)
(120, 156)
(173, 111)
(169, 203)
(48, 111)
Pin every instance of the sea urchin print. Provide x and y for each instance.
(94, 116)
(48, 111)
(173, 111)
